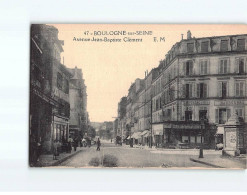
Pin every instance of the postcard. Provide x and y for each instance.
(167, 96)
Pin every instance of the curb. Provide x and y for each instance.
(205, 163)
(64, 159)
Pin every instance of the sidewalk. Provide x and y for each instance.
(212, 158)
(219, 161)
(46, 160)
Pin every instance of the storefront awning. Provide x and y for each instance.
(144, 132)
(147, 134)
(136, 135)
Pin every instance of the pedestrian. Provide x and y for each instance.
(55, 150)
(98, 145)
(75, 144)
(70, 140)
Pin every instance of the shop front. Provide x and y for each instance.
(184, 134)
(136, 138)
(158, 134)
(60, 129)
(145, 137)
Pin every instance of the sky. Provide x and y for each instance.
(110, 68)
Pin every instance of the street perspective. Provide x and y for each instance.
(147, 96)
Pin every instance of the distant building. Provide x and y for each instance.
(78, 104)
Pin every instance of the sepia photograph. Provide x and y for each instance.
(163, 96)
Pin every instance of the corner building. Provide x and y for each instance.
(204, 83)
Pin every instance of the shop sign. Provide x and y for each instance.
(229, 102)
(196, 102)
(186, 126)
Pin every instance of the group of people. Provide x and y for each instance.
(71, 142)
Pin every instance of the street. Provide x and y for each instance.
(134, 157)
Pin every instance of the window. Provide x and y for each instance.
(241, 44)
(223, 89)
(157, 104)
(224, 45)
(202, 90)
(66, 86)
(189, 68)
(188, 115)
(222, 115)
(204, 46)
(169, 114)
(239, 66)
(188, 90)
(239, 112)
(204, 67)
(190, 47)
(223, 66)
(59, 81)
(202, 114)
(239, 89)
(172, 93)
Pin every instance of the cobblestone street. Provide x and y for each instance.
(138, 157)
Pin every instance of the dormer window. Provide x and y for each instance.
(241, 44)
(224, 45)
(204, 46)
(190, 47)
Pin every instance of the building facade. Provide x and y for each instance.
(193, 92)
(78, 104)
(49, 88)
(204, 80)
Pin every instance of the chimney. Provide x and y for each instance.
(63, 60)
(188, 34)
(182, 35)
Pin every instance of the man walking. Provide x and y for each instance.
(98, 145)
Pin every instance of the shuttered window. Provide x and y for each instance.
(222, 89)
(239, 89)
(224, 66)
(203, 67)
(188, 68)
(240, 65)
(202, 90)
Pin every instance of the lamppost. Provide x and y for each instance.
(202, 125)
